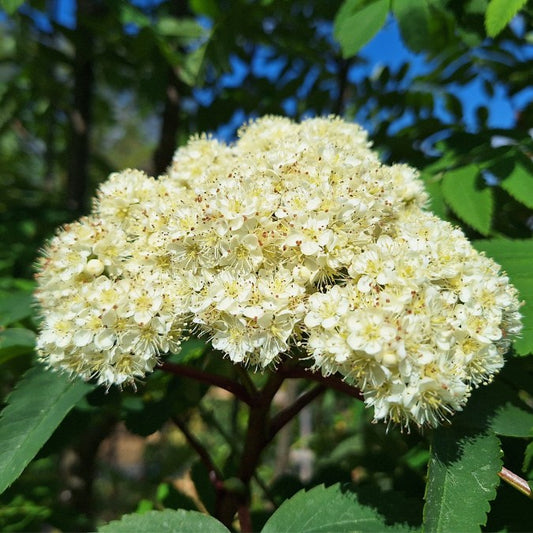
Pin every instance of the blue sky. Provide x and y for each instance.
(385, 49)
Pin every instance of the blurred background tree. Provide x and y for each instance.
(90, 87)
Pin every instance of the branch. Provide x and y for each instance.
(287, 414)
(211, 379)
(214, 473)
(343, 66)
(245, 521)
(333, 381)
(516, 482)
(247, 382)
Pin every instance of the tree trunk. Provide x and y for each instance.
(169, 125)
(170, 121)
(80, 115)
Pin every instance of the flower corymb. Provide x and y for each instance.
(293, 242)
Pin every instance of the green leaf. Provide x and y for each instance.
(462, 480)
(515, 258)
(324, 509)
(528, 458)
(357, 22)
(519, 184)
(433, 185)
(414, 21)
(185, 29)
(35, 408)
(15, 341)
(500, 13)
(132, 15)
(204, 486)
(169, 497)
(15, 306)
(511, 421)
(191, 69)
(10, 6)
(209, 8)
(468, 200)
(165, 521)
(498, 407)
(190, 350)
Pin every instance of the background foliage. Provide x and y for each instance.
(119, 84)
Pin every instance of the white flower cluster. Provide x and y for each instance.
(294, 240)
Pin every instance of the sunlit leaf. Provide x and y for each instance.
(35, 408)
(184, 28)
(515, 257)
(357, 22)
(462, 480)
(500, 13)
(469, 200)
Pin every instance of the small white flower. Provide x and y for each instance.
(293, 237)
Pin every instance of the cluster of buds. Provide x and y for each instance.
(293, 242)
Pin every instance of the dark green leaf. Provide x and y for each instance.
(498, 408)
(454, 105)
(204, 486)
(528, 459)
(171, 498)
(324, 509)
(205, 7)
(357, 22)
(511, 421)
(462, 480)
(414, 20)
(190, 350)
(500, 13)
(167, 521)
(519, 184)
(469, 200)
(515, 258)
(15, 306)
(35, 408)
(15, 341)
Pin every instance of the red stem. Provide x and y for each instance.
(214, 473)
(211, 379)
(516, 481)
(262, 427)
(333, 381)
(245, 520)
(287, 414)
